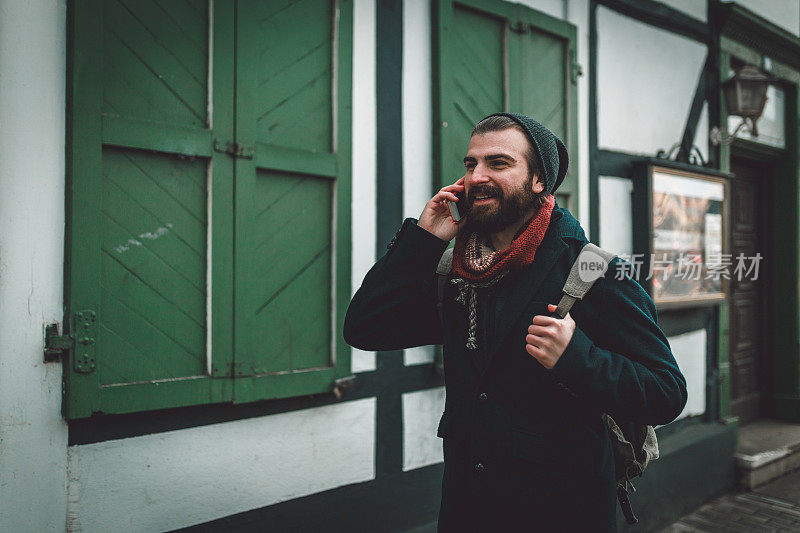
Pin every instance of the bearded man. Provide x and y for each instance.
(525, 448)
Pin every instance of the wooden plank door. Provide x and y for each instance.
(750, 357)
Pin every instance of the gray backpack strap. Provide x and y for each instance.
(443, 270)
(591, 265)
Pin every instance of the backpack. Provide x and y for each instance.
(634, 444)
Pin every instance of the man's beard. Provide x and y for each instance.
(490, 218)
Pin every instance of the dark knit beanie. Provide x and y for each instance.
(553, 158)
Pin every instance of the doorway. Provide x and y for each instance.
(751, 356)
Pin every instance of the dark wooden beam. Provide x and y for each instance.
(661, 16)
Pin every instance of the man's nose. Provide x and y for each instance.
(478, 176)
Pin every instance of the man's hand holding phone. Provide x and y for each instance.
(437, 217)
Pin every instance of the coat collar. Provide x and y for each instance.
(553, 246)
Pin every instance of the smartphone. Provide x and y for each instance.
(458, 209)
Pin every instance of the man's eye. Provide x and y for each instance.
(499, 164)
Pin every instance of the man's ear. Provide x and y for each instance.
(538, 186)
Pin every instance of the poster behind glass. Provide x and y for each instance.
(687, 260)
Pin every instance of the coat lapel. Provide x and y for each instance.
(530, 279)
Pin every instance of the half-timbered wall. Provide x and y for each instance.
(646, 82)
(160, 470)
(646, 79)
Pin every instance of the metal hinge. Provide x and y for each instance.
(244, 151)
(82, 341)
(518, 26)
(55, 345)
(343, 384)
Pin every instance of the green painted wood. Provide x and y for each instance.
(292, 60)
(141, 337)
(186, 46)
(293, 263)
(127, 218)
(476, 70)
(166, 195)
(139, 151)
(185, 391)
(548, 46)
(442, 88)
(285, 385)
(724, 318)
(541, 79)
(145, 240)
(186, 18)
(296, 160)
(167, 138)
(292, 253)
(153, 310)
(83, 181)
(223, 237)
(149, 72)
(736, 49)
(343, 197)
(723, 363)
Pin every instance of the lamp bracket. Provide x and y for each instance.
(719, 136)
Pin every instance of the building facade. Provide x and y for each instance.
(191, 190)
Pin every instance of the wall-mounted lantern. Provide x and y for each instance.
(745, 96)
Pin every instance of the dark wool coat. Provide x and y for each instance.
(524, 447)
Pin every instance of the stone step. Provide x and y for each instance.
(767, 450)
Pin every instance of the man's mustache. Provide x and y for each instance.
(491, 192)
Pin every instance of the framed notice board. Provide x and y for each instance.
(681, 233)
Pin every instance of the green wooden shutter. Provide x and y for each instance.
(490, 56)
(140, 157)
(293, 82)
(152, 257)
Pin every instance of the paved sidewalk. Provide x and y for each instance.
(775, 507)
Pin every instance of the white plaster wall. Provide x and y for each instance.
(689, 350)
(417, 108)
(421, 413)
(578, 14)
(784, 13)
(646, 81)
(175, 479)
(701, 134)
(417, 133)
(33, 436)
(364, 156)
(419, 355)
(616, 224)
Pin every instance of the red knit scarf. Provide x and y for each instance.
(472, 262)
